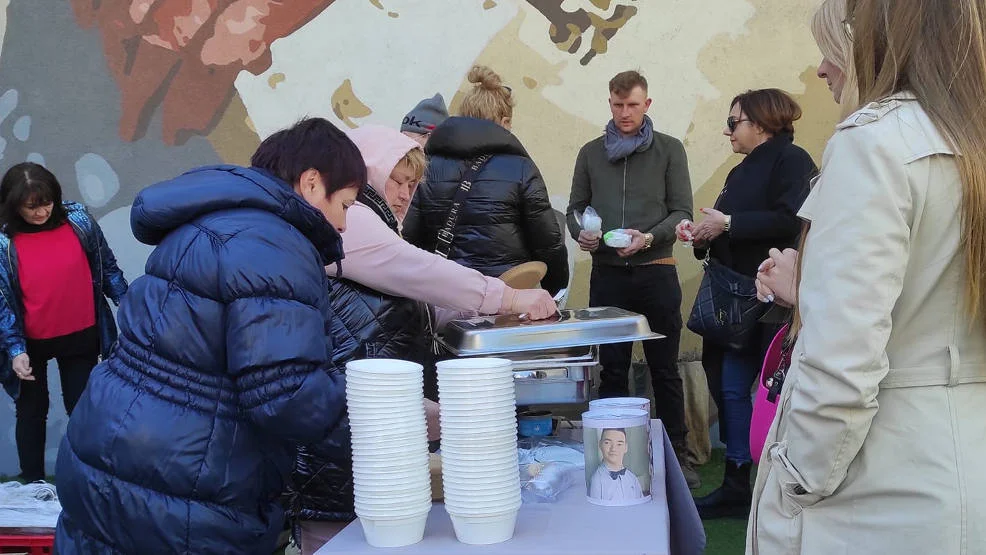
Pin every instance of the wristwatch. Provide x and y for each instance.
(648, 240)
(729, 220)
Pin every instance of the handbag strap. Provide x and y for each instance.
(443, 244)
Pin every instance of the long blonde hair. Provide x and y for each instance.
(937, 51)
(828, 28)
(489, 99)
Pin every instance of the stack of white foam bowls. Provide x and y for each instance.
(479, 448)
(391, 480)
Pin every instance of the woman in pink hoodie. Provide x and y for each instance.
(382, 300)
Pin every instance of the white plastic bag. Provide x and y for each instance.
(617, 239)
(590, 221)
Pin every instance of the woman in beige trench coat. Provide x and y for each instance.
(879, 443)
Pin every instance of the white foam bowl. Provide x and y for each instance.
(396, 449)
(379, 408)
(402, 419)
(370, 465)
(473, 365)
(394, 398)
(484, 530)
(394, 532)
(480, 425)
(395, 378)
(399, 476)
(374, 490)
(467, 386)
(482, 493)
(394, 512)
(482, 509)
(383, 366)
(373, 428)
(489, 474)
(397, 444)
(411, 492)
(471, 444)
(393, 403)
(477, 381)
(363, 380)
(371, 434)
(501, 415)
(475, 399)
(376, 383)
(485, 510)
(387, 501)
(477, 458)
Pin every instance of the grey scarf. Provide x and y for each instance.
(619, 146)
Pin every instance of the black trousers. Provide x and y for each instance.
(653, 291)
(76, 355)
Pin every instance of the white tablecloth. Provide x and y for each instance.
(572, 525)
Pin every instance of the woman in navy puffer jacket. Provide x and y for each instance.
(186, 434)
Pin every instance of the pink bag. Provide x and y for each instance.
(763, 408)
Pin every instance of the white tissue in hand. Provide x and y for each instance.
(617, 239)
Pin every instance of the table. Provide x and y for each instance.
(669, 524)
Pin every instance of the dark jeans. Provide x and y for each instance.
(730, 377)
(739, 371)
(76, 355)
(653, 291)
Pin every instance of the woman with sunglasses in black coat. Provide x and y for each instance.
(756, 211)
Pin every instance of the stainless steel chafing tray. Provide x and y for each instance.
(552, 358)
(489, 335)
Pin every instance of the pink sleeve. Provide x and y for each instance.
(378, 258)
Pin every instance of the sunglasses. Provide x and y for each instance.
(732, 123)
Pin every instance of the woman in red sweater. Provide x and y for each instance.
(56, 271)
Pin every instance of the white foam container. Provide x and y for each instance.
(394, 532)
(484, 530)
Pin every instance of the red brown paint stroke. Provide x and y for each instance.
(182, 56)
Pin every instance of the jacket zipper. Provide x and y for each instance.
(623, 216)
(623, 222)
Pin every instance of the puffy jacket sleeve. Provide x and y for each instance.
(853, 267)
(277, 341)
(379, 259)
(542, 234)
(114, 284)
(11, 328)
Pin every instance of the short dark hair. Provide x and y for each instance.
(312, 143)
(772, 109)
(29, 183)
(621, 430)
(626, 81)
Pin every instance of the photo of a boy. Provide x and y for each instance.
(612, 481)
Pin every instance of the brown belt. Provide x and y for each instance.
(669, 261)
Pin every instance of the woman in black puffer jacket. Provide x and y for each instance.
(507, 218)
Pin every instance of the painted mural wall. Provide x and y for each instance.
(114, 95)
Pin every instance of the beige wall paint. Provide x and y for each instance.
(696, 55)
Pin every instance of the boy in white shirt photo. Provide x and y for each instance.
(612, 481)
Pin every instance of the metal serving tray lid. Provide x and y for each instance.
(489, 335)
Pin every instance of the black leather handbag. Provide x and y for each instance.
(726, 310)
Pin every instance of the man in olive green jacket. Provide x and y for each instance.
(636, 179)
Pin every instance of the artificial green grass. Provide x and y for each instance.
(726, 536)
